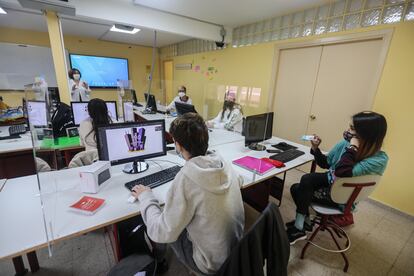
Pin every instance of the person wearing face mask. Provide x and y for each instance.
(79, 89)
(181, 98)
(230, 117)
(203, 215)
(359, 153)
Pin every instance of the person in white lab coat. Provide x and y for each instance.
(79, 89)
(181, 98)
(230, 117)
(40, 89)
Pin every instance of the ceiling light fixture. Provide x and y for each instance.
(2, 11)
(124, 29)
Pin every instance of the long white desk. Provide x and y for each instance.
(23, 230)
(18, 144)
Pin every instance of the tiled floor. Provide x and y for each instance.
(382, 244)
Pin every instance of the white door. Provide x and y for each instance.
(295, 84)
(346, 84)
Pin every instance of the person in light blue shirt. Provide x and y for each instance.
(359, 153)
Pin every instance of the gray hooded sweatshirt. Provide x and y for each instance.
(204, 199)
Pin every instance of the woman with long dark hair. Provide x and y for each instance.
(230, 117)
(98, 116)
(359, 153)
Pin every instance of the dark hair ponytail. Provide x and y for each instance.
(98, 111)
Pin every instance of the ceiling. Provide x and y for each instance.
(31, 20)
(230, 12)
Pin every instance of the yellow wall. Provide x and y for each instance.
(252, 66)
(139, 58)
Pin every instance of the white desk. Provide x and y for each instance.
(22, 228)
(235, 150)
(23, 143)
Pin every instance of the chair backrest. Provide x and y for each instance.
(42, 165)
(349, 190)
(84, 158)
(266, 239)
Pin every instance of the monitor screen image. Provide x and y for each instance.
(36, 111)
(258, 128)
(102, 72)
(127, 142)
(80, 111)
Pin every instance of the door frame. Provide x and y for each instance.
(163, 77)
(385, 35)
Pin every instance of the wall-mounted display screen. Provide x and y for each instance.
(100, 72)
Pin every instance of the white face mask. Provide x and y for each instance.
(76, 76)
(181, 94)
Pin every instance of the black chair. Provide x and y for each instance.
(266, 242)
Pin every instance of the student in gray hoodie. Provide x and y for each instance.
(203, 216)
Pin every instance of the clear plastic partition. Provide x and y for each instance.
(38, 109)
(240, 125)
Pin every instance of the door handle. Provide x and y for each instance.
(312, 117)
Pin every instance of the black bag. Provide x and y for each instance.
(61, 120)
(136, 249)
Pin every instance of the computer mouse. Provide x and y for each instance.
(131, 199)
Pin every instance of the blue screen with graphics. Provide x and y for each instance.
(100, 71)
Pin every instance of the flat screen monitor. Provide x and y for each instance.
(80, 111)
(129, 142)
(37, 113)
(151, 103)
(183, 108)
(100, 72)
(128, 111)
(258, 128)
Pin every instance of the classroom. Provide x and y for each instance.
(206, 137)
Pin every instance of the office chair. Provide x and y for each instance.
(84, 158)
(346, 191)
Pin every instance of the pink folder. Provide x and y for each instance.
(253, 164)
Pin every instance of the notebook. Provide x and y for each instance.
(88, 205)
(253, 164)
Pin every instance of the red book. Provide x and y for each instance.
(88, 205)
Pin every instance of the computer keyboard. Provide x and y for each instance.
(17, 129)
(155, 179)
(287, 156)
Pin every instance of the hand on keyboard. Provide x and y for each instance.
(139, 189)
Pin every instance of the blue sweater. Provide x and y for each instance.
(375, 164)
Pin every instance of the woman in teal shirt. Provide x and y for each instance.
(358, 154)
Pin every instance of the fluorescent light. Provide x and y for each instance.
(2, 11)
(124, 29)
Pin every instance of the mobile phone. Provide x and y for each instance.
(308, 137)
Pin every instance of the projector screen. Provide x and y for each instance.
(100, 72)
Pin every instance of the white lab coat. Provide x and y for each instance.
(177, 99)
(79, 90)
(232, 120)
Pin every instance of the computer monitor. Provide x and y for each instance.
(183, 108)
(257, 128)
(37, 113)
(151, 103)
(80, 111)
(132, 142)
